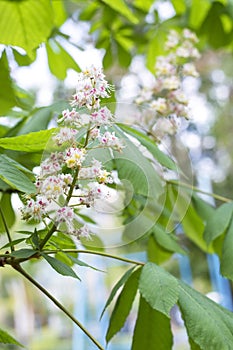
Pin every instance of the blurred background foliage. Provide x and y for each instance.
(124, 32)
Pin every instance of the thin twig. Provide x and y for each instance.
(57, 303)
(196, 189)
(7, 230)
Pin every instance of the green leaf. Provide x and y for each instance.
(6, 338)
(25, 23)
(227, 253)
(122, 8)
(156, 253)
(199, 10)
(152, 330)
(123, 305)
(23, 253)
(14, 177)
(120, 283)
(7, 212)
(143, 5)
(7, 95)
(80, 262)
(159, 288)
(218, 223)
(179, 6)
(203, 209)
(59, 60)
(209, 325)
(13, 243)
(166, 240)
(160, 156)
(60, 267)
(33, 142)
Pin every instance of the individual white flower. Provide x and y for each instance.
(172, 40)
(74, 157)
(163, 67)
(178, 96)
(35, 209)
(82, 232)
(171, 83)
(65, 215)
(54, 186)
(65, 135)
(190, 70)
(52, 165)
(187, 34)
(164, 126)
(102, 117)
(72, 118)
(160, 105)
(111, 140)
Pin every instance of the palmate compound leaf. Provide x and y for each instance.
(123, 305)
(152, 330)
(159, 288)
(209, 325)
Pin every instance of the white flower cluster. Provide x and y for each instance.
(68, 180)
(166, 99)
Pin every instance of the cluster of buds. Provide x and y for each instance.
(69, 180)
(165, 100)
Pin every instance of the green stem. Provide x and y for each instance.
(57, 303)
(196, 189)
(111, 256)
(7, 230)
(47, 237)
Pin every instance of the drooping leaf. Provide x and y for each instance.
(123, 305)
(156, 253)
(152, 330)
(203, 209)
(7, 212)
(167, 240)
(25, 23)
(159, 288)
(179, 6)
(7, 95)
(59, 59)
(60, 267)
(122, 8)
(11, 175)
(218, 223)
(13, 243)
(144, 5)
(227, 253)
(23, 253)
(160, 156)
(208, 324)
(32, 142)
(120, 283)
(6, 338)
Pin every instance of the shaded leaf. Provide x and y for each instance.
(60, 267)
(123, 305)
(166, 240)
(227, 254)
(23, 253)
(7, 212)
(218, 223)
(14, 177)
(120, 283)
(159, 288)
(152, 330)
(209, 325)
